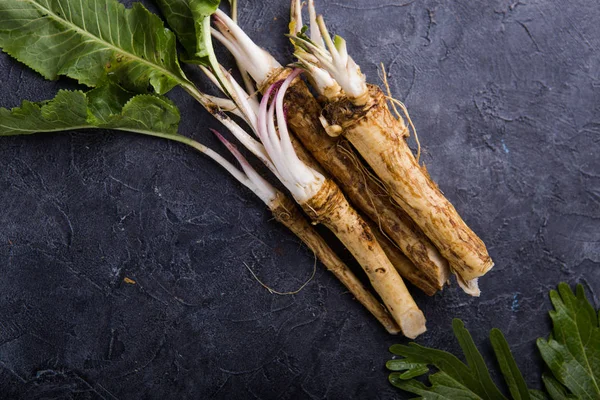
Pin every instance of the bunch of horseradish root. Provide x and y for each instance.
(342, 156)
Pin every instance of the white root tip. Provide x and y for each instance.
(413, 323)
(469, 287)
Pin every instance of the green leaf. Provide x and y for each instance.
(442, 360)
(179, 17)
(486, 388)
(555, 389)
(68, 110)
(454, 378)
(202, 11)
(443, 387)
(508, 366)
(454, 373)
(146, 114)
(403, 365)
(414, 372)
(90, 41)
(190, 19)
(106, 101)
(573, 351)
(537, 395)
(108, 107)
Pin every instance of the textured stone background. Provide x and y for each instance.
(506, 98)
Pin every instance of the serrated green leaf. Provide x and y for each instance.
(104, 107)
(486, 388)
(414, 372)
(91, 41)
(444, 361)
(512, 375)
(68, 110)
(146, 113)
(573, 351)
(202, 11)
(443, 387)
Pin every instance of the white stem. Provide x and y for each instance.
(315, 32)
(322, 81)
(342, 49)
(247, 141)
(262, 188)
(249, 105)
(233, 48)
(245, 77)
(301, 175)
(343, 68)
(302, 181)
(236, 173)
(318, 52)
(226, 105)
(326, 37)
(255, 60)
(244, 106)
(212, 77)
(248, 83)
(259, 186)
(277, 152)
(295, 17)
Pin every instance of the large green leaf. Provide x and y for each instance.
(573, 351)
(90, 40)
(108, 107)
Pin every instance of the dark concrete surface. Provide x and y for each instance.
(506, 99)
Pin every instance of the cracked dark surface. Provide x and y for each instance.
(506, 99)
